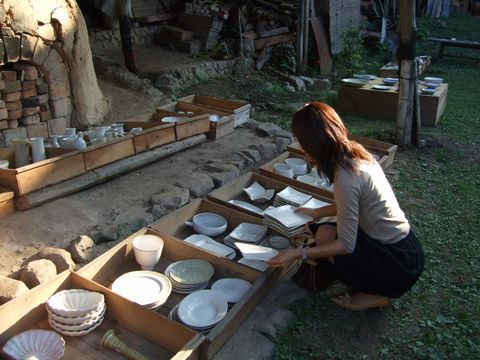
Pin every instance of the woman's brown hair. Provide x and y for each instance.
(324, 138)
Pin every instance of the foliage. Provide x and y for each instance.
(352, 57)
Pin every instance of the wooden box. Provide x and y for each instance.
(234, 191)
(61, 164)
(366, 101)
(120, 260)
(384, 151)
(150, 333)
(7, 205)
(239, 109)
(154, 134)
(268, 171)
(221, 128)
(391, 69)
(106, 153)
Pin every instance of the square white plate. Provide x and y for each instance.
(255, 264)
(294, 196)
(315, 204)
(256, 252)
(249, 232)
(287, 216)
(247, 206)
(207, 243)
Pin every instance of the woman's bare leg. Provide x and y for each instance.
(326, 233)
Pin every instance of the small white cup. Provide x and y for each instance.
(147, 250)
(100, 132)
(283, 169)
(299, 166)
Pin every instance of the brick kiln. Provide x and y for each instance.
(47, 80)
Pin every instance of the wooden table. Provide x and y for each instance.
(370, 102)
(455, 43)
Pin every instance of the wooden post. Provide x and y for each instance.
(126, 35)
(407, 129)
(306, 13)
(299, 40)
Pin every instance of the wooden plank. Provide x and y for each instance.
(325, 59)
(7, 206)
(109, 152)
(191, 127)
(221, 128)
(154, 18)
(176, 32)
(274, 32)
(104, 173)
(192, 47)
(274, 40)
(154, 137)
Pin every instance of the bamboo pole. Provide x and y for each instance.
(126, 34)
(305, 34)
(299, 40)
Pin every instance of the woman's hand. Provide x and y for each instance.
(307, 211)
(284, 258)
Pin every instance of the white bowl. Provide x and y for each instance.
(354, 82)
(434, 80)
(207, 223)
(4, 164)
(232, 288)
(172, 119)
(428, 91)
(307, 179)
(390, 81)
(299, 166)
(78, 320)
(432, 85)
(202, 308)
(36, 344)
(74, 302)
(147, 249)
(283, 169)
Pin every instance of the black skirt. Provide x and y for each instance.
(382, 269)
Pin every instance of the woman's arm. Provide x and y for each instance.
(329, 210)
(286, 257)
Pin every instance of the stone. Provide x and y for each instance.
(43, 89)
(30, 120)
(252, 154)
(43, 99)
(10, 289)
(222, 178)
(2, 140)
(60, 257)
(52, 61)
(14, 114)
(29, 93)
(2, 15)
(9, 75)
(37, 272)
(297, 82)
(40, 81)
(251, 124)
(29, 102)
(27, 111)
(59, 89)
(28, 46)
(216, 166)
(58, 73)
(282, 318)
(3, 125)
(2, 104)
(28, 85)
(37, 130)
(308, 80)
(251, 346)
(12, 124)
(13, 96)
(10, 134)
(12, 47)
(282, 144)
(47, 32)
(247, 162)
(2, 52)
(11, 86)
(322, 84)
(199, 184)
(289, 87)
(267, 151)
(20, 75)
(132, 220)
(62, 107)
(81, 249)
(3, 113)
(24, 19)
(2, 85)
(158, 211)
(13, 105)
(41, 52)
(104, 233)
(7, 31)
(56, 126)
(171, 197)
(268, 129)
(30, 71)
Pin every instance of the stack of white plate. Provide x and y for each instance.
(286, 221)
(246, 233)
(188, 276)
(257, 193)
(201, 311)
(75, 312)
(209, 244)
(232, 288)
(278, 242)
(290, 196)
(147, 288)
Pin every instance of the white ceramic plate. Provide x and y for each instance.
(315, 204)
(294, 196)
(381, 87)
(191, 271)
(246, 206)
(255, 264)
(431, 79)
(249, 232)
(390, 81)
(173, 119)
(354, 82)
(207, 243)
(78, 320)
(257, 193)
(36, 344)
(287, 216)
(143, 287)
(364, 76)
(232, 288)
(74, 302)
(428, 91)
(256, 252)
(307, 179)
(279, 242)
(202, 308)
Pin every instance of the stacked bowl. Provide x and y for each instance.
(188, 276)
(75, 312)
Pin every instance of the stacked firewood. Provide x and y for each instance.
(206, 8)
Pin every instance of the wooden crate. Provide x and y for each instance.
(152, 334)
(391, 69)
(106, 153)
(268, 171)
(234, 191)
(120, 259)
(221, 128)
(239, 109)
(385, 151)
(61, 164)
(154, 134)
(7, 205)
(367, 101)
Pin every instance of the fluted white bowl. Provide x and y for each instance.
(36, 344)
(74, 302)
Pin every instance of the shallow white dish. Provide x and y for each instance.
(381, 87)
(283, 169)
(256, 252)
(173, 119)
(78, 320)
(354, 82)
(232, 288)
(299, 166)
(207, 243)
(390, 81)
(364, 76)
(76, 333)
(279, 242)
(143, 287)
(249, 232)
(255, 264)
(428, 91)
(36, 344)
(74, 302)
(257, 193)
(307, 179)
(287, 216)
(294, 196)
(315, 204)
(246, 206)
(432, 79)
(202, 308)
(191, 271)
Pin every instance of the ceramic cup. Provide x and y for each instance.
(22, 152)
(38, 149)
(283, 169)
(4, 164)
(147, 250)
(299, 166)
(100, 132)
